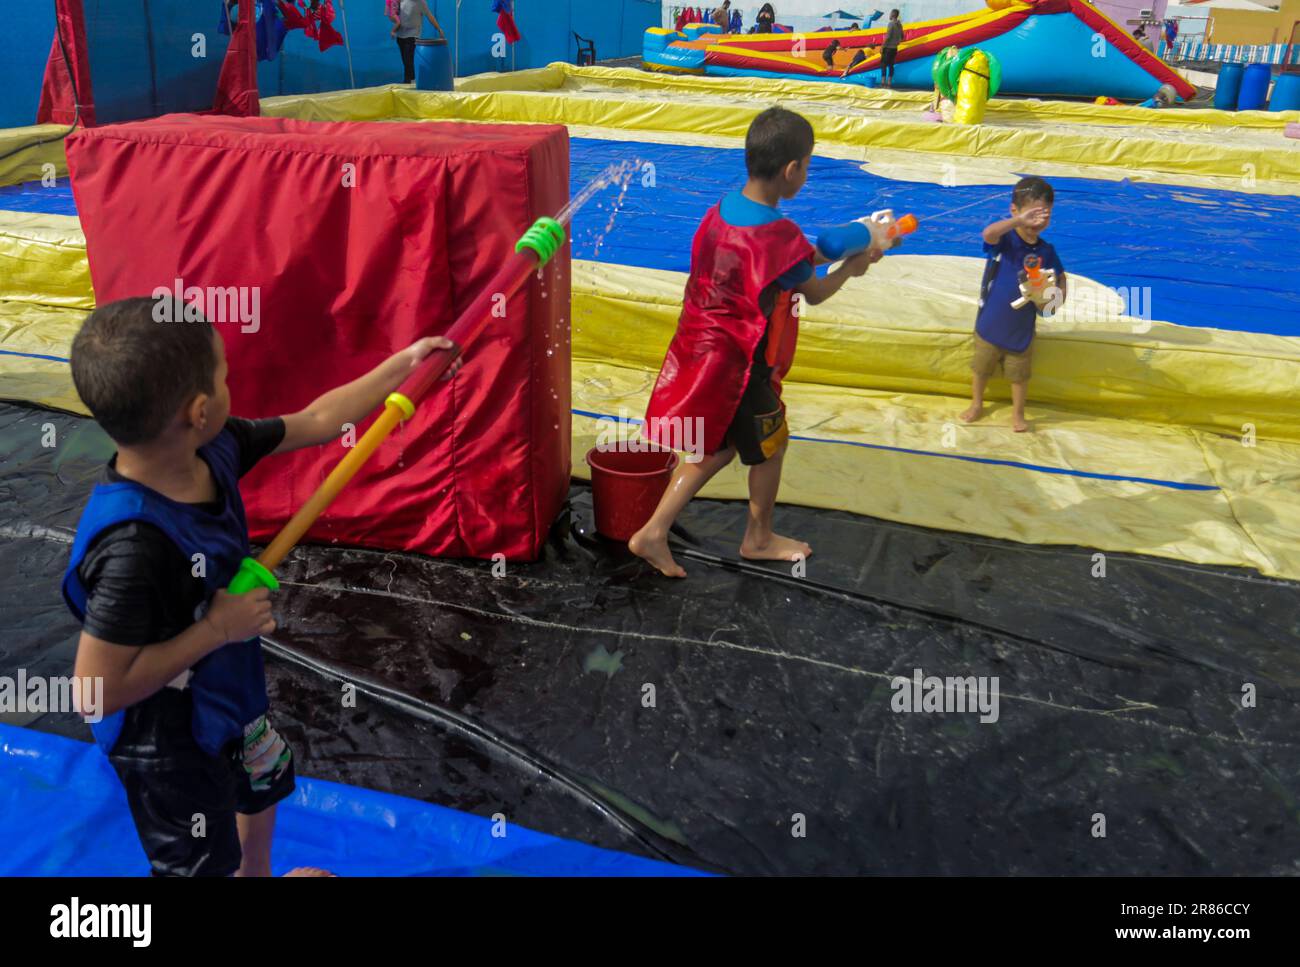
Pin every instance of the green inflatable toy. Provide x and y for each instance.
(954, 67)
(939, 72)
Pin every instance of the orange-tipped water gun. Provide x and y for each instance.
(1034, 283)
(880, 231)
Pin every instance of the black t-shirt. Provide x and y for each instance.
(139, 585)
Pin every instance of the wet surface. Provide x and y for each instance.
(713, 721)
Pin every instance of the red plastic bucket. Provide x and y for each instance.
(626, 486)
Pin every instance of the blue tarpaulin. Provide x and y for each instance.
(63, 813)
(1188, 246)
(1118, 233)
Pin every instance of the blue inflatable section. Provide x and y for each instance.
(32, 196)
(63, 813)
(1046, 55)
(1050, 55)
(1117, 233)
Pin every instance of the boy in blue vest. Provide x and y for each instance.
(184, 692)
(1004, 333)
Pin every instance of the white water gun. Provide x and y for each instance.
(1036, 284)
(880, 230)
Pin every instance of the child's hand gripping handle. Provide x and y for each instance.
(881, 230)
(252, 575)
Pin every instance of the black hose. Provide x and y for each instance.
(76, 96)
(859, 597)
(476, 731)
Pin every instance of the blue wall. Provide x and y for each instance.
(142, 63)
(547, 27)
(29, 28)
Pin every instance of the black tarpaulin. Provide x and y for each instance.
(771, 744)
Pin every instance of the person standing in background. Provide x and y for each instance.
(889, 49)
(722, 15)
(407, 28)
(766, 18)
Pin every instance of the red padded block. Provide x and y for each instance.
(360, 238)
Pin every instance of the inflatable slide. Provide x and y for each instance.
(1047, 48)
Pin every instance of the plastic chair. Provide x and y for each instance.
(586, 51)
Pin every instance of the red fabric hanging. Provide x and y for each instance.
(237, 83)
(506, 24)
(59, 91)
(293, 18)
(329, 37)
(703, 375)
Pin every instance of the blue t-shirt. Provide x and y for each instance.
(744, 212)
(998, 323)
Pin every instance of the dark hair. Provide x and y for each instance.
(775, 138)
(893, 15)
(134, 373)
(1030, 189)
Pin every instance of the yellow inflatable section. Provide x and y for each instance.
(872, 403)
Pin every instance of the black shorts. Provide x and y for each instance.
(758, 430)
(184, 801)
(887, 57)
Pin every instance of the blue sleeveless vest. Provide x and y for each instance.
(227, 686)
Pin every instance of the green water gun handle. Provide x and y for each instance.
(252, 575)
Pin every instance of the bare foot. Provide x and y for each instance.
(308, 871)
(653, 548)
(775, 548)
(972, 413)
(1018, 424)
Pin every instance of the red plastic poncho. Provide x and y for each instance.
(704, 373)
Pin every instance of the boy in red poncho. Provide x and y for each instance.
(720, 384)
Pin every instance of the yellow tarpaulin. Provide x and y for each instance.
(25, 153)
(1094, 482)
(1246, 148)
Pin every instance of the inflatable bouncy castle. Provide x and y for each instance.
(1047, 48)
